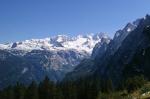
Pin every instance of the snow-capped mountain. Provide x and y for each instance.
(124, 50)
(54, 56)
(127, 55)
(60, 42)
(102, 53)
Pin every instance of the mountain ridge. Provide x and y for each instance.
(59, 42)
(52, 57)
(102, 53)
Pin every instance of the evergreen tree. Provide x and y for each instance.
(19, 91)
(133, 83)
(7, 93)
(45, 89)
(32, 91)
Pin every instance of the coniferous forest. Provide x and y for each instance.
(88, 88)
(133, 77)
(75, 59)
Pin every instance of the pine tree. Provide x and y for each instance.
(109, 85)
(32, 91)
(45, 89)
(7, 93)
(19, 91)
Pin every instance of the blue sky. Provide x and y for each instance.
(26, 19)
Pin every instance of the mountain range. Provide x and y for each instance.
(64, 58)
(34, 59)
(101, 52)
(126, 55)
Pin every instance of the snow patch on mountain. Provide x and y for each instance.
(24, 70)
(60, 42)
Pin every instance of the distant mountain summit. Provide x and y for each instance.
(70, 58)
(33, 59)
(103, 52)
(127, 55)
(60, 42)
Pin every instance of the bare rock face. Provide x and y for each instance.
(124, 51)
(53, 57)
(112, 60)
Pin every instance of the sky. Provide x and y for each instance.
(27, 19)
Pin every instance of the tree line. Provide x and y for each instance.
(87, 88)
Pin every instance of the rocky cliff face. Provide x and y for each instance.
(113, 65)
(109, 59)
(88, 66)
(34, 59)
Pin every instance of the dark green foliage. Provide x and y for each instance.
(139, 65)
(8, 93)
(32, 91)
(107, 86)
(44, 89)
(133, 83)
(87, 88)
(111, 96)
(19, 91)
